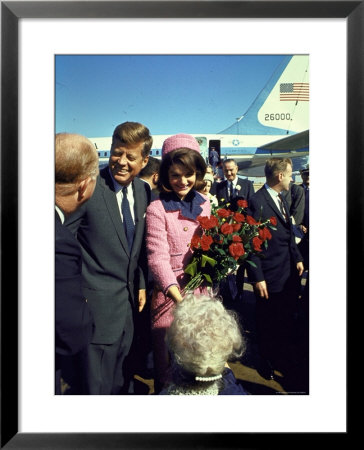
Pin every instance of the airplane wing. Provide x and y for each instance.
(299, 141)
(294, 146)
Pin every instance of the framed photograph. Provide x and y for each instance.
(27, 191)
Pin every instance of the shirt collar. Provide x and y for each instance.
(274, 194)
(189, 207)
(60, 213)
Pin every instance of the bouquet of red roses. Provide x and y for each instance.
(228, 239)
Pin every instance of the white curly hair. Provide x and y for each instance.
(204, 335)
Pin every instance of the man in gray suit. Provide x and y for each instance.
(110, 230)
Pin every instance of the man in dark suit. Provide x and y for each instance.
(110, 230)
(233, 188)
(150, 174)
(304, 244)
(275, 277)
(230, 191)
(76, 169)
(295, 199)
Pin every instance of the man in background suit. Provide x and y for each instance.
(230, 191)
(275, 277)
(110, 230)
(233, 188)
(304, 244)
(150, 174)
(76, 169)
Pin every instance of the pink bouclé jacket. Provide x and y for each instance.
(168, 237)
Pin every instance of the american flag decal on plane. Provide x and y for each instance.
(293, 92)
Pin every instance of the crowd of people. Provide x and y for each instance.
(123, 239)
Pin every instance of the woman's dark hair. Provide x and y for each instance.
(190, 159)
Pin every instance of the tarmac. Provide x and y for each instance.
(245, 369)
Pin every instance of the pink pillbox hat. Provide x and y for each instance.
(179, 141)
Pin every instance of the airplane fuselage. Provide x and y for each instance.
(246, 150)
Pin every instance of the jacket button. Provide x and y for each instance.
(185, 228)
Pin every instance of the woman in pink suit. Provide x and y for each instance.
(171, 222)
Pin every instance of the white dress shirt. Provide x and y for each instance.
(119, 196)
(275, 196)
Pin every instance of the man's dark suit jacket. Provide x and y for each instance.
(295, 198)
(246, 191)
(74, 323)
(280, 258)
(111, 275)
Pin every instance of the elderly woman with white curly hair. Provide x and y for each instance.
(202, 338)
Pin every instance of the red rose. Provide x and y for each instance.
(236, 226)
(226, 228)
(257, 242)
(242, 203)
(251, 220)
(223, 212)
(213, 222)
(206, 241)
(204, 220)
(273, 220)
(239, 217)
(264, 234)
(236, 238)
(208, 222)
(236, 250)
(195, 241)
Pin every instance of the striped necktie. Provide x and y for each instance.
(282, 208)
(127, 218)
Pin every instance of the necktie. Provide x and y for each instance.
(281, 207)
(231, 190)
(127, 219)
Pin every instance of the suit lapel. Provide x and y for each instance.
(113, 208)
(226, 191)
(240, 193)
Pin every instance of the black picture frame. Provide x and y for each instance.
(11, 12)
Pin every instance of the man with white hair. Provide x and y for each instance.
(233, 188)
(76, 169)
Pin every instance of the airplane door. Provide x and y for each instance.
(215, 144)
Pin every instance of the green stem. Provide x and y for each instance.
(193, 284)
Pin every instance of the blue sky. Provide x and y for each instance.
(167, 93)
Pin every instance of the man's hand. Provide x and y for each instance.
(300, 268)
(303, 228)
(260, 288)
(142, 298)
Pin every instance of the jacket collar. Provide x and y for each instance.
(190, 207)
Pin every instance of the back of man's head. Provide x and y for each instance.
(76, 159)
(151, 168)
(275, 165)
